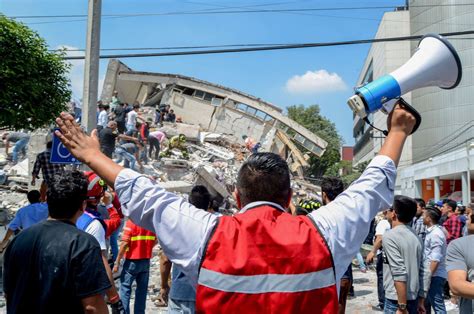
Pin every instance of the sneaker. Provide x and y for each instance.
(378, 308)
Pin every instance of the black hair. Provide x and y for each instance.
(462, 210)
(405, 208)
(66, 194)
(332, 186)
(135, 106)
(434, 213)
(264, 177)
(33, 196)
(420, 202)
(49, 144)
(200, 197)
(452, 204)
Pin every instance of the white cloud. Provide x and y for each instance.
(76, 72)
(320, 81)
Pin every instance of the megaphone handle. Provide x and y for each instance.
(411, 110)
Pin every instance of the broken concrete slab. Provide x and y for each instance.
(176, 186)
(208, 180)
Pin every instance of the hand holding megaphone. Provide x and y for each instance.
(434, 63)
(401, 120)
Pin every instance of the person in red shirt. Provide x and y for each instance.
(452, 225)
(137, 245)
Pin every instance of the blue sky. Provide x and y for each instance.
(323, 76)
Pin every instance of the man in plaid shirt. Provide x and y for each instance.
(47, 169)
(453, 225)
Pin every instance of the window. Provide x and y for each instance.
(216, 101)
(208, 96)
(188, 91)
(251, 111)
(198, 94)
(241, 107)
(369, 74)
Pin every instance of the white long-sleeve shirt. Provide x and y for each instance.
(183, 230)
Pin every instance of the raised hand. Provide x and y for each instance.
(81, 145)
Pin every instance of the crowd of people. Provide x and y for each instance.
(126, 136)
(272, 256)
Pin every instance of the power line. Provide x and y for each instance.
(212, 11)
(173, 48)
(267, 48)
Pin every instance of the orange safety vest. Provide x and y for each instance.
(141, 241)
(266, 261)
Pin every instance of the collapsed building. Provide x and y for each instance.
(216, 109)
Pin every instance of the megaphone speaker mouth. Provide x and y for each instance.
(453, 52)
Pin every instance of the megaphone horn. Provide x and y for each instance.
(434, 63)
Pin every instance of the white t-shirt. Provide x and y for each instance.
(96, 230)
(382, 227)
(103, 118)
(132, 117)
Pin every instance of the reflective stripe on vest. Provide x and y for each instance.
(138, 238)
(267, 283)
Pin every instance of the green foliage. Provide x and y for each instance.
(355, 173)
(34, 87)
(311, 118)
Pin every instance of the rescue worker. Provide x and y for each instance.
(262, 260)
(137, 246)
(178, 142)
(91, 221)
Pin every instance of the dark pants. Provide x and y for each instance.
(379, 270)
(346, 283)
(121, 126)
(154, 145)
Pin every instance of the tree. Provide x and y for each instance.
(34, 87)
(311, 118)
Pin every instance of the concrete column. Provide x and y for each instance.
(418, 189)
(91, 66)
(466, 194)
(437, 194)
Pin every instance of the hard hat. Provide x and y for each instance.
(182, 138)
(96, 186)
(310, 205)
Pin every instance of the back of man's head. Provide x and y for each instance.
(66, 194)
(420, 202)
(264, 177)
(332, 187)
(33, 196)
(434, 213)
(200, 197)
(452, 204)
(49, 145)
(405, 208)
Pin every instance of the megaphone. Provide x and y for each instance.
(434, 63)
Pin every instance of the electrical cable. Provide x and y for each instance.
(267, 48)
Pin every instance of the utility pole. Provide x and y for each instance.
(91, 66)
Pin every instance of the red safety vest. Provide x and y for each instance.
(266, 261)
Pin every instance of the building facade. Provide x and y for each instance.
(443, 149)
(382, 59)
(438, 160)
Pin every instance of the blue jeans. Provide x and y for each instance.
(129, 158)
(114, 241)
(391, 306)
(19, 146)
(135, 270)
(360, 259)
(181, 307)
(130, 129)
(435, 295)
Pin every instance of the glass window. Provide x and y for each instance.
(198, 94)
(251, 111)
(216, 102)
(208, 97)
(241, 107)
